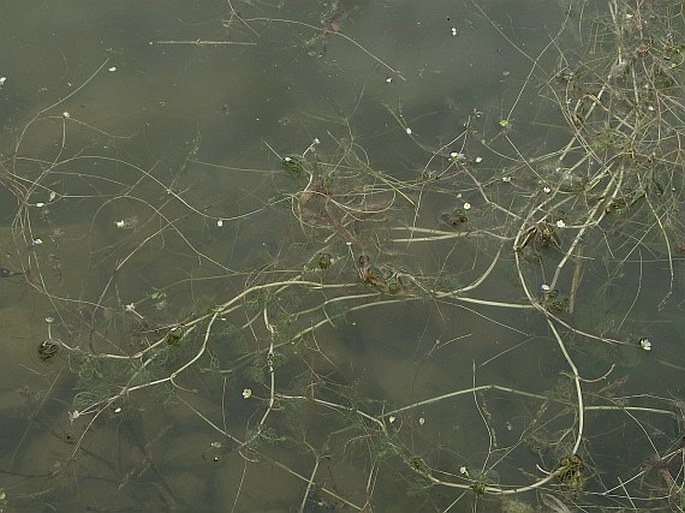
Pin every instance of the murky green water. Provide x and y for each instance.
(341, 256)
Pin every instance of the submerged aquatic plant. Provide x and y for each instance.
(467, 324)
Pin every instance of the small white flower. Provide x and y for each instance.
(246, 393)
(546, 190)
(288, 159)
(317, 140)
(392, 419)
(117, 409)
(463, 470)
(37, 241)
(40, 204)
(467, 206)
(651, 108)
(561, 223)
(545, 287)
(2, 81)
(131, 307)
(127, 224)
(66, 115)
(49, 320)
(388, 80)
(112, 69)
(422, 421)
(52, 196)
(454, 31)
(478, 160)
(646, 344)
(73, 415)
(408, 130)
(506, 179)
(220, 223)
